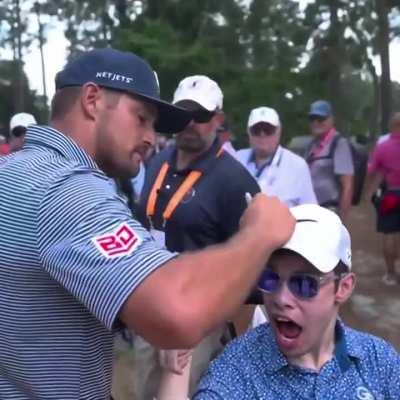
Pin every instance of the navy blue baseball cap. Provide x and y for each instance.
(124, 71)
(321, 108)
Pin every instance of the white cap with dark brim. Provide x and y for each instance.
(263, 114)
(22, 119)
(201, 90)
(320, 237)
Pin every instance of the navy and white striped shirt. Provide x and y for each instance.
(70, 255)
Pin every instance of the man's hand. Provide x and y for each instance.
(268, 218)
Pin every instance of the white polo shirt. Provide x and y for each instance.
(285, 176)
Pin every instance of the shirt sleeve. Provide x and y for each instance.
(90, 244)
(343, 159)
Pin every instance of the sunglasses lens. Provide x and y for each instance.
(202, 117)
(269, 281)
(262, 130)
(303, 286)
(317, 119)
(256, 132)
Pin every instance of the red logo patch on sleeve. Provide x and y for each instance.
(123, 241)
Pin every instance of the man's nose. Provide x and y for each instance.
(150, 136)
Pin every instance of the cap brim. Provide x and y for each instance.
(318, 114)
(322, 262)
(171, 118)
(264, 120)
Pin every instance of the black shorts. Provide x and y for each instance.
(390, 222)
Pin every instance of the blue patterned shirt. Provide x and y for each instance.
(364, 367)
(70, 255)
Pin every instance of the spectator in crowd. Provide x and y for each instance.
(330, 161)
(384, 170)
(4, 146)
(194, 196)
(306, 351)
(278, 171)
(225, 137)
(75, 267)
(18, 126)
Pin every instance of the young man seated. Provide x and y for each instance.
(306, 351)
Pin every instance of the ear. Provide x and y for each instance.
(345, 288)
(91, 99)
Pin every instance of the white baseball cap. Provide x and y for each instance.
(320, 237)
(263, 114)
(200, 89)
(22, 119)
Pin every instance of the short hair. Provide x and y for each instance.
(63, 101)
(65, 98)
(341, 269)
(18, 131)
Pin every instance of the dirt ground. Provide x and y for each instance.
(374, 307)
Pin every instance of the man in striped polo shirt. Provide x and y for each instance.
(75, 266)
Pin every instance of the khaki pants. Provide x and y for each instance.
(148, 371)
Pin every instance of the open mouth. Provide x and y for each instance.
(287, 328)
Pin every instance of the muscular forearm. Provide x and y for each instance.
(179, 303)
(238, 265)
(197, 291)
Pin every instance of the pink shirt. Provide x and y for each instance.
(386, 160)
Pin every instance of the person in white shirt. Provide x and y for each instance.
(278, 171)
(225, 138)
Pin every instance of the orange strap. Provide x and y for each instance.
(186, 185)
(151, 202)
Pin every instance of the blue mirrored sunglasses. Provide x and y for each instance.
(301, 285)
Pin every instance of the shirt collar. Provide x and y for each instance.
(346, 347)
(272, 160)
(352, 344)
(45, 136)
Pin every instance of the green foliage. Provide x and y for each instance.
(33, 103)
(261, 52)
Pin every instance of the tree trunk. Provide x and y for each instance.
(383, 43)
(373, 121)
(122, 13)
(335, 59)
(19, 84)
(41, 44)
